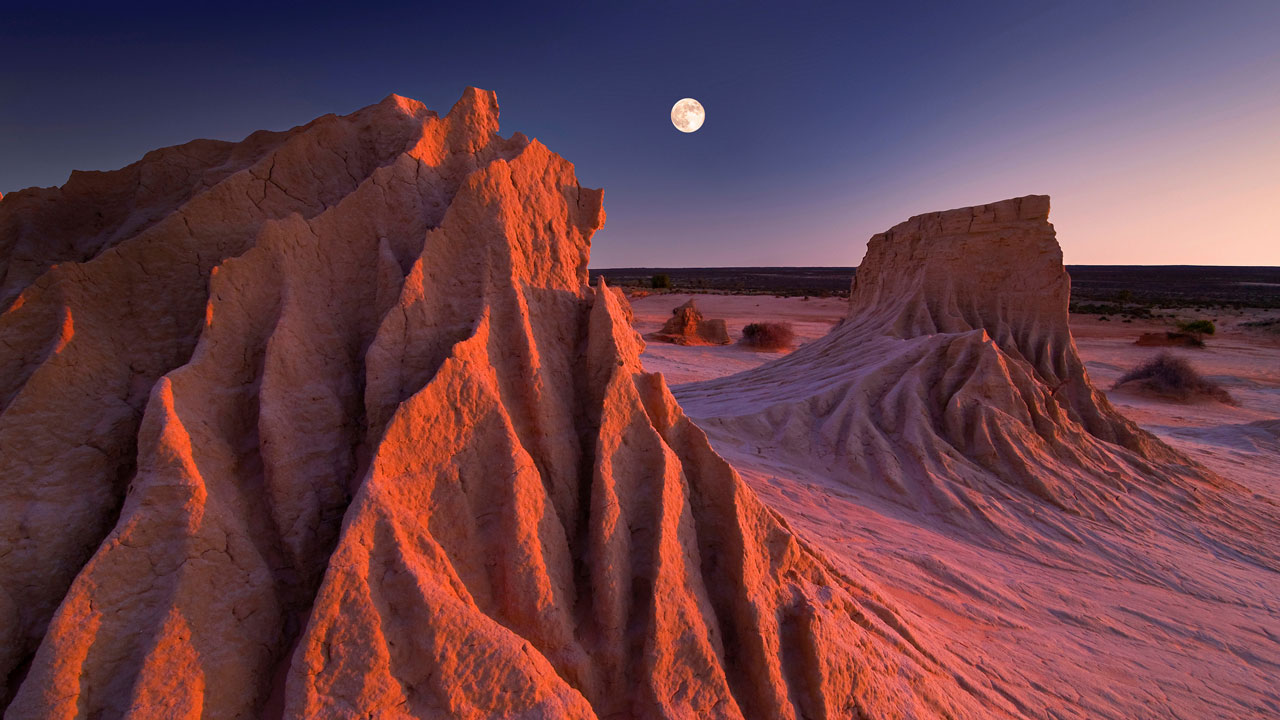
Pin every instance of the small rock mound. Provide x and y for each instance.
(686, 326)
(949, 420)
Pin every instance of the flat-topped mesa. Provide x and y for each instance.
(988, 267)
(953, 376)
(995, 268)
(327, 423)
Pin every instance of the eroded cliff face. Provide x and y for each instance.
(945, 439)
(110, 283)
(993, 273)
(328, 423)
(953, 387)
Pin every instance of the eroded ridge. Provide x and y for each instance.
(393, 457)
(945, 438)
(111, 280)
(954, 380)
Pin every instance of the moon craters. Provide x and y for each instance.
(687, 115)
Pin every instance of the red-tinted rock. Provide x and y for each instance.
(688, 327)
(393, 457)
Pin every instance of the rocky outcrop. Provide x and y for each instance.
(327, 423)
(953, 386)
(946, 438)
(686, 326)
(109, 282)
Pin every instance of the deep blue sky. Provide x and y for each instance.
(1155, 125)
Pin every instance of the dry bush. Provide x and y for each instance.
(1169, 339)
(1173, 377)
(1198, 327)
(768, 336)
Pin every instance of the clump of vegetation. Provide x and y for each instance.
(1124, 310)
(661, 281)
(1170, 338)
(1173, 377)
(1198, 327)
(1272, 324)
(768, 336)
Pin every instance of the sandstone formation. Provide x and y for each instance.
(946, 440)
(327, 423)
(624, 305)
(688, 327)
(953, 385)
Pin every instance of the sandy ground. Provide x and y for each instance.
(1240, 441)
(1125, 626)
(679, 364)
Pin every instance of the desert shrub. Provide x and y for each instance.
(768, 336)
(1198, 327)
(1172, 376)
(661, 281)
(1134, 311)
(1266, 324)
(1170, 339)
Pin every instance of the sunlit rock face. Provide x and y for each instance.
(327, 423)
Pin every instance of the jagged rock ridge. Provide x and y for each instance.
(393, 457)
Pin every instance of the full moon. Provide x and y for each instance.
(687, 115)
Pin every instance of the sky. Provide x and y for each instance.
(1154, 126)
